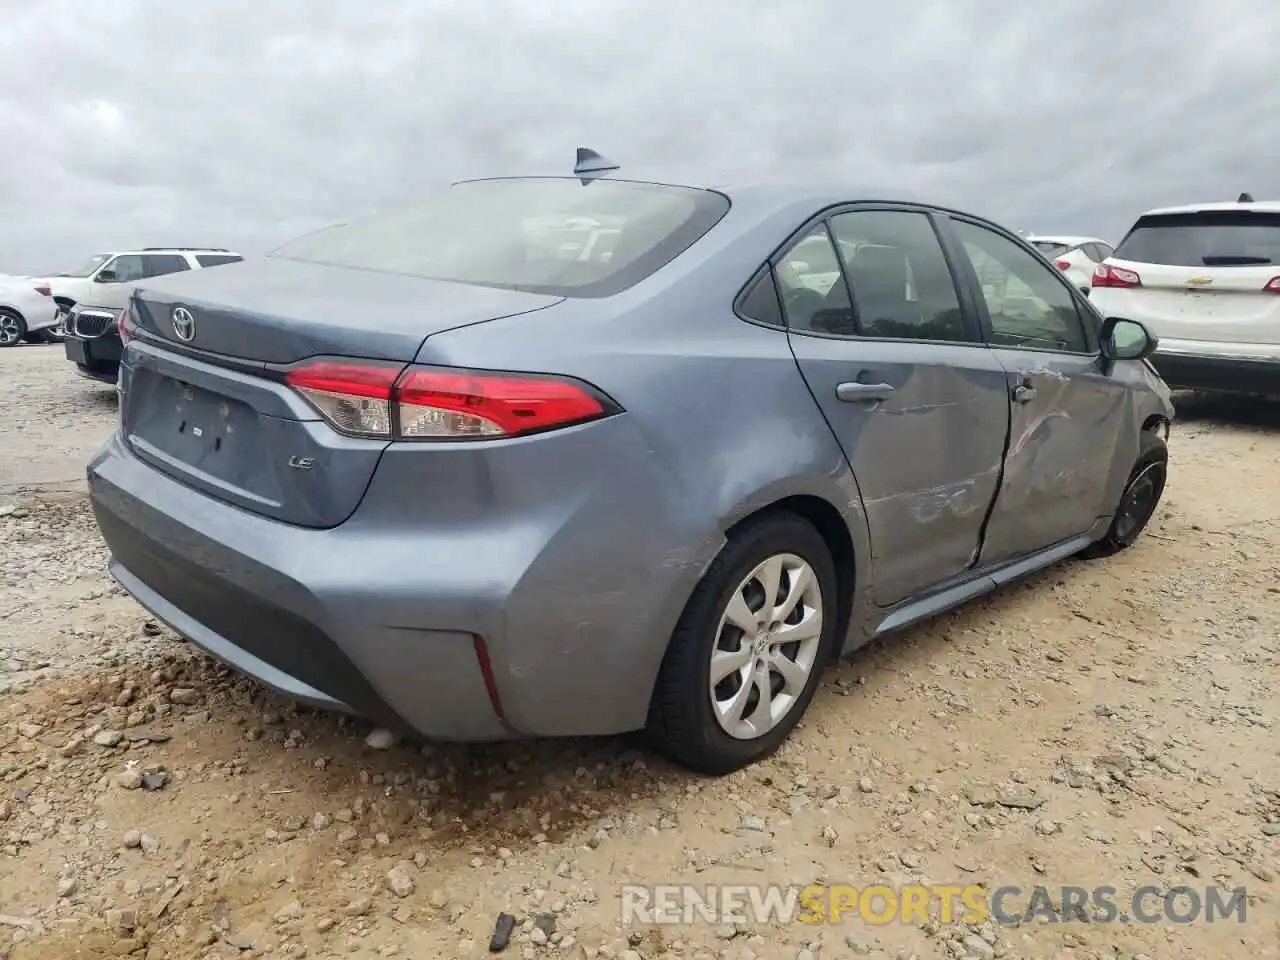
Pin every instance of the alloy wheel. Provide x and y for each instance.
(766, 646)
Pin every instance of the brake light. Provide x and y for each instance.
(124, 326)
(44, 291)
(354, 397)
(363, 398)
(1105, 275)
(443, 404)
(1273, 285)
(1063, 265)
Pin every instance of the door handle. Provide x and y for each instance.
(853, 392)
(1023, 393)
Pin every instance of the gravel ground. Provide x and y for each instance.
(1105, 723)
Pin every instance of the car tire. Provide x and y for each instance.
(1146, 482)
(695, 723)
(13, 329)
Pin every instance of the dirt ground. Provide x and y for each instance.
(1107, 723)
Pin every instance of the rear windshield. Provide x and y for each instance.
(1050, 248)
(1224, 238)
(217, 259)
(554, 236)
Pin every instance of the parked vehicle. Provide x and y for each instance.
(1074, 256)
(93, 297)
(27, 311)
(436, 470)
(1205, 278)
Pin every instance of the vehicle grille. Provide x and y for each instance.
(93, 323)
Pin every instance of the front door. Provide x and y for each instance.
(918, 403)
(1066, 414)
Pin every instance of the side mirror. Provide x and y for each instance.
(106, 275)
(1122, 339)
(800, 266)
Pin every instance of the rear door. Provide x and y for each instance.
(1066, 414)
(892, 353)
(1201, 279)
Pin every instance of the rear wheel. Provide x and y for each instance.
(13, 329)
(748, 652)
(1141, 496)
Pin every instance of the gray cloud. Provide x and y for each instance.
(244, 124)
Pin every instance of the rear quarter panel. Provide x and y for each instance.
(718, 424)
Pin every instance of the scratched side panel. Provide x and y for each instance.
(927, 459)
(1063, 447)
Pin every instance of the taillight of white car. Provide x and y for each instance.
(1105, 275)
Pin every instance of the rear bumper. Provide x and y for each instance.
(380, 616)
(1189, 371)
(254, 597)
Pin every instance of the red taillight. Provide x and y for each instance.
(124, 326)
(44, 291)
(1273, 285)
(1063, 265)
(354, 397)
(442, 404)
(359, 398)
(1105, 275)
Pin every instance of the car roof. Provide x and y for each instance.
(142, 251)
(1068, 239)
(1257, 206)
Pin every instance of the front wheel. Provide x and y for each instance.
(1141, 496)
(748, 652)
(13, 329)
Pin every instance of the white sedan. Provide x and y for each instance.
(27, 311)
(1076, 257)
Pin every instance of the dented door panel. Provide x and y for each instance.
(926, 454)
(1066, 419)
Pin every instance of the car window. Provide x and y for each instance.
(1028, 304)
(898, 275)
(1104, 251)
(126, 268)
(761, 301)
(216, 259)
(548, 235)
(1212, 238)
(160, 264)
(1051, 248)
(812, 287)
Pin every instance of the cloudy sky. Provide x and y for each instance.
(238, 124)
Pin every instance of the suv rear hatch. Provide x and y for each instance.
(211, 408)
(1208, 276)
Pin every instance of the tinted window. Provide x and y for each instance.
(1104, 251)
(761, 302)
(1093, 251)
(1225, 238)
(898, 276)
(813, 292)
(1028, 304)
(159, 264)
(127, 268)
(1051, 248)
(551, 235)
(216, 259)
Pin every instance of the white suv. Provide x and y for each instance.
(1205, 279)
(108, 278)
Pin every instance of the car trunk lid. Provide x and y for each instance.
(204, 400)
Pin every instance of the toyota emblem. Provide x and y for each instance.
(184, 324)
